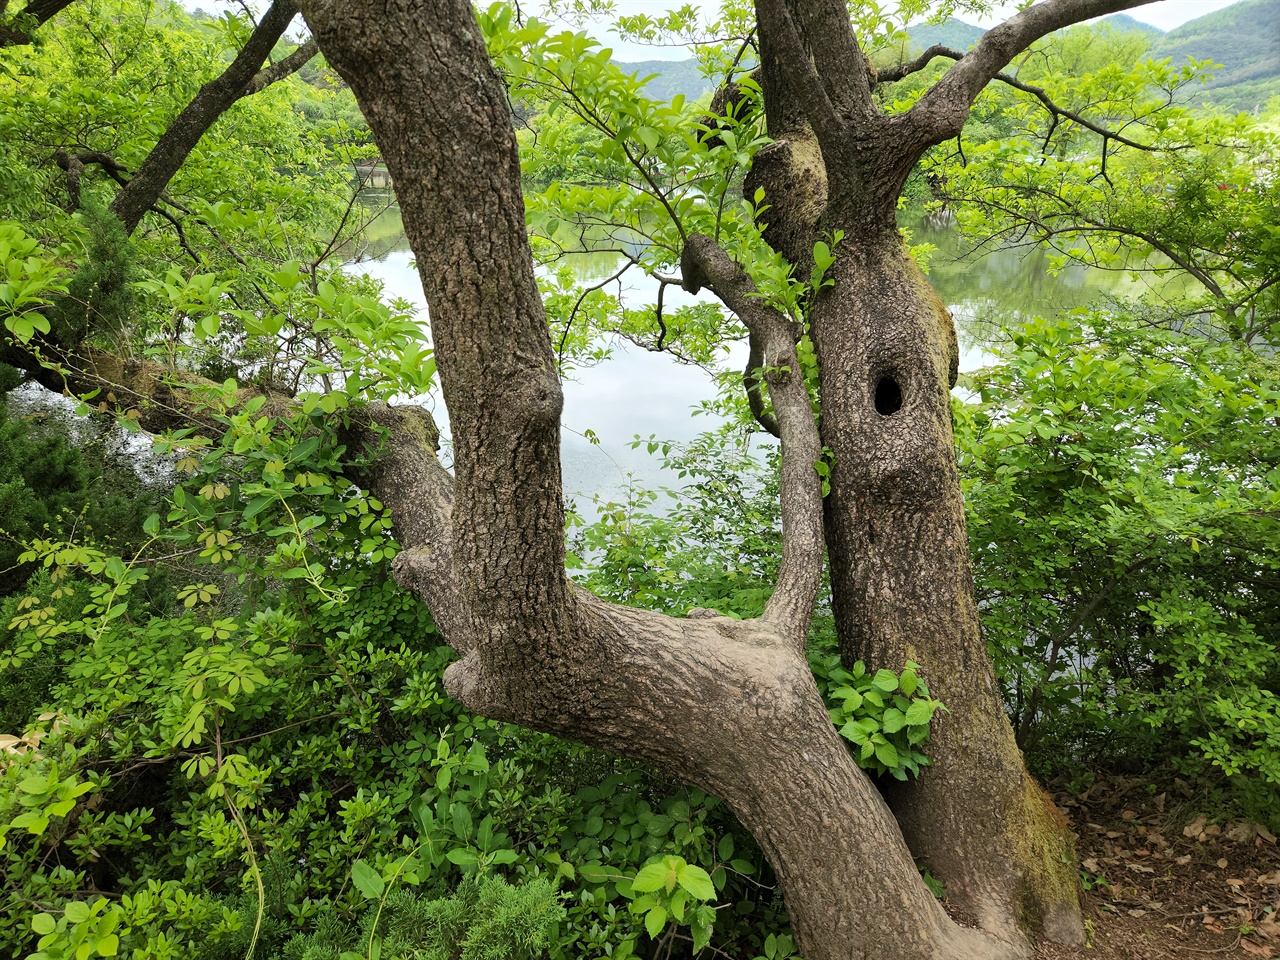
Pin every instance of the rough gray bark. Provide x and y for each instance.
(728, 705)
(894, 520)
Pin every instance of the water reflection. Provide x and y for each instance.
(642, 393)
(989, 288)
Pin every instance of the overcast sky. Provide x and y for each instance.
(1165, 14)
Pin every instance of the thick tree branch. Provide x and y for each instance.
(214, 98)
(779, 34)
(41, 11)
(439, 114)
(704, 263)
(278, 71)
(941, 112)
(891, 74)
(837, 58)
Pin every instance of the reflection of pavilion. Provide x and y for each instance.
(373, 173)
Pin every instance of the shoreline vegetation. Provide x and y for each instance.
(231, 728)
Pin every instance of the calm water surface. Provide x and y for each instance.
(639, 394)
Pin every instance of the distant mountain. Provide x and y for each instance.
(673, 76)
(952, 33)
(1122, 21)
(1245, 39)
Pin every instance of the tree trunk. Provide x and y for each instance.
(730, 706)
(903, 588)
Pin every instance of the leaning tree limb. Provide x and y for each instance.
(34, 15)
(705, 263)
(891, 74)
(213, 100)
(941, 112)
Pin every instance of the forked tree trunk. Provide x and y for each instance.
(727, 705)
(903, 590)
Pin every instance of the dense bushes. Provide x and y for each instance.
(1124, 516)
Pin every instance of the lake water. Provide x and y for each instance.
(639, 393)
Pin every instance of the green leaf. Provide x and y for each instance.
(885, 680)
(651, 877)
(462, 856)
(256, 506)
(893, 720)
(887, 754)
(77, 911)
(920, 712)
(43, 924)
(725, 848)
(367, 880)
(696, 881)
(655, 920)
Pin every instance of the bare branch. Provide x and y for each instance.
(751, 383)
(894, 74)
(1065, 114)
(278, 71)
(941, 112)
(705, 263)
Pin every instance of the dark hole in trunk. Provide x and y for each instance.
(888, 396)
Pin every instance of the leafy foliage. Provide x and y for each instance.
(221, 711)
(1122, 487)
(886, 715)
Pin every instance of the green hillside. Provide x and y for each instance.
(1122, 21)
(672, 77)
(950, 33)
(1245, 39)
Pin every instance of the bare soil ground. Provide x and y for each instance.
(1164, 882)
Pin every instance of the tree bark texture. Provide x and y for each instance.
(897, 548)
(730, 706)
(903, 590)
